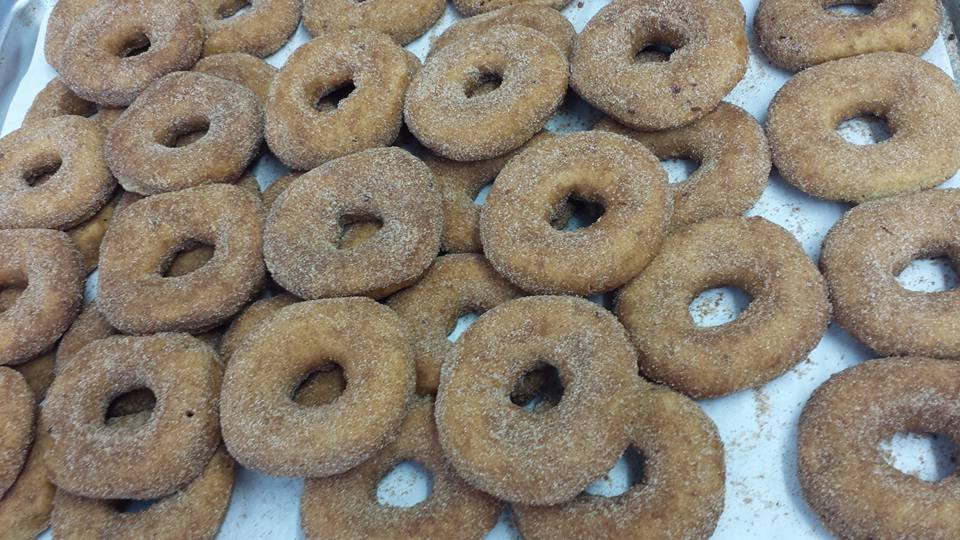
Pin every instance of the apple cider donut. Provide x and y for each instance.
(709, 60)
(402, 20)
(88, 235)
(53, 174)
(918, 101)
(854, 491)
(89, 326)
(57, 100)
(787, 315)
(142, 148)
(541, 18)
(241, 68)
(25, 508)
(346, 506)
(92, 458)
(117, 49)
(603, 168)
(733, 162)
(134, 295)
(259, 31)
(16, 425)
(366, 339)
(797, 34)
(59, 23)
(446, 114)
(387, 185)
(39, 373)
(548, 457)
(473, 7)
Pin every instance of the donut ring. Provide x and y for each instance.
(798, 34)
(59, 23)
(25, 508)
(94, 62)
(490, 440)
(453, 286)
(474, 7)
(917, 99)
(57, 100)
(446, 114)
(38, 372)
(259, 31)
(787, 315)
(541, 18)
(243, 69)
(196, 511)
(93, 459)
(366, 340)
(733, 157)
(89, 326)
(385, 184)
(53, 174)
(599, 167)
(402, 20)
(273, 191)
(16, 425)
(50, 265)
(141, 148)
(133, 294)
(709, 60)
(88, 235)
(305, 130)
(846, 480)
(347, 507)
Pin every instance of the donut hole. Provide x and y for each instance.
(626, 473)
(539, 389)
(655, 52)
(406, 485)
(717, 306)
(928, 274)
(864, 129)
(851, 8)
(355, 229)
(583, 212)
(679, 169)
(132, 45)
(232, 8)
(481, 83)
(930, 457)
(328, 99)
(131, 408)
(462, 323)
(320, 386)
(184, 133)
(656, 45)
(186, 258)
(10, 292)
(41, 170)
(130, 506)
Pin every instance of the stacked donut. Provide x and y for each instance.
(304, 331)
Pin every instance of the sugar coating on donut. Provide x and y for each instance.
(541, 18)
(59, 23)
(38, 372)
(402, 20)
(240, 68)
(16, 425)
(55, 99)
(248, 319)
(473, 7)
(26, 506)
(89, 326)
(259, 30)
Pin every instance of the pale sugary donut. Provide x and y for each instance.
(260, 30)
(402, 20)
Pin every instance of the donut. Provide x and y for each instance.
(25, 508)
(402, 20)
(89, 326)
(49, 267)
(680, 496)
(195, 511)
(115, 50)
(845, 479)
(140, 461)
(137, 298)
(88, 235)
(539, 17)
(798, 34)
(59, 23)
(473, 7)
(453, 286)
(603, 168)
(309, 119)
(446, 114)
(865, 251)
(346, 506)
(241, 68)
(57, 100)
(385, 185)
(248, 319)
(38, 372)
(787, 315)
(709, 60)
(733, 162)
(142, 148)
(918, 101)
(273, 191)
(53, 174)
(16, 425)
(259, 31)
(361, 336)
(544, 458)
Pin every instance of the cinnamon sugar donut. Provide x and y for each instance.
(919, 102)
(133, 293)
(142, 148)
(345, 506)
(547, 457)
(16, 425)
(241, 68)
(53, 174)
(59, 23)
(25, 508)
(543, 19)
(603, 168)
(307, 125)
(133, 461)
(273, 191)
(88, 235)
(38, 372)
(57, 100)
(473, 7)
(709, 60)
(117, 49)
(365, 339)
(259, 31)
(854, 491)
(797, 34)
(446, 114)
(89, 326)
(732, 156)
(386, 185)
(453, 286)
(402, 20)
(787, 315)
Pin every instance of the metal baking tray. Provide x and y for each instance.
(758, 426)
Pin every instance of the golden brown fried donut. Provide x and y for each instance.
(16, 425)
(241, 68)
(787, 315)
(25, 508)
(307, 125)
(548, 457)
(844, 477)
(446, 114)
(541, 18)
(59, 23)
(345, 506)
(57, 100)
(797, 34)
(473, 7)
(918, 101)
(88, 235)
(387, 185)
(88, 327)
(709, 60)
(402, 20)
(248, 319)
(273, 191)
(365, 339)
(133, 461)
(259, 31)
(117, 49)
(37, 371)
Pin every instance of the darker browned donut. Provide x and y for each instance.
(25, 508)
(260, 30)
(17, 405)
(541, 18)
(57, 100)
(473, 7)
(242, 69)
(402, 20)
